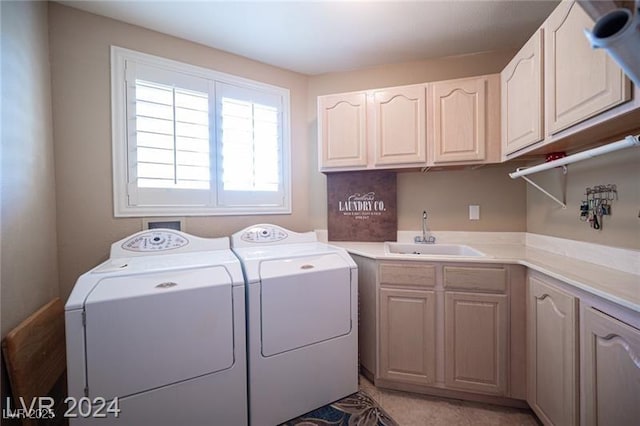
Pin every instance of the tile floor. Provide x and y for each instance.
(410, 409)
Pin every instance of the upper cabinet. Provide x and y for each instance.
(522, 98)
(560, 94)
(342, 130)
(398, 122)
(463, 122)
(444, 123)
(375, 129)
(580, 81)
(556, 94)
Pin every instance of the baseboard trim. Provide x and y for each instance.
(448, 393)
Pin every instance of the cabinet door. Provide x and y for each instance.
(459, 120)
(522, 106)
(407, 335)
(476, 342)
(611, 371)
(552, 354)
(399, 125)
(342, 130)
(580, 82)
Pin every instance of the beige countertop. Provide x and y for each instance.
(619, 287)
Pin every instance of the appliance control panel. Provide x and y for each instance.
(268, 234)
(263, 234)
(154, 241)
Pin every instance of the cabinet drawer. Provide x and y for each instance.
(411, 274)
(469, 278)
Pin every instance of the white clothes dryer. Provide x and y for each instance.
(159, 328)
(301, 322)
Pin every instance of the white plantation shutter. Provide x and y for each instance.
(169, 137)
(250, 135)
(191, 141)
(172, 137)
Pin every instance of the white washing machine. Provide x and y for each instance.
(301, 322)
(160, 327)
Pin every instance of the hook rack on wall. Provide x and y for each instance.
(628, 142)
(597, 204)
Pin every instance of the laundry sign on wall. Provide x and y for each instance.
(362, 206)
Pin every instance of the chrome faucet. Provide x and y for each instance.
(425, 238)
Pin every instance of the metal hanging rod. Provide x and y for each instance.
(627, 142)
(522, 172)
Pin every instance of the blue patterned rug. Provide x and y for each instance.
(358, 409)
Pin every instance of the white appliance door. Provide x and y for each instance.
(304, 301)
(150, 330)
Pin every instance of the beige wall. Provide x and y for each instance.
(29, 260)
(80, 45)
(446, 195)
(621, 229)
(29, 270)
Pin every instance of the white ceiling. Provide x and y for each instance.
(315, 37)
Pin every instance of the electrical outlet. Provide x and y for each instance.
(474, 212)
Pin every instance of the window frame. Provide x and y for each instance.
(120, 141)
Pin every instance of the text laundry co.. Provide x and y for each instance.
(361, 206)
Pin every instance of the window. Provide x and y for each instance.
(192, 141)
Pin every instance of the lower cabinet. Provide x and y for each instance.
(459, 330)
(610, 386)
(552, 353)
(407, 335)
(445, 327)
(476, 327)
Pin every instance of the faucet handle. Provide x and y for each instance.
(424, 240)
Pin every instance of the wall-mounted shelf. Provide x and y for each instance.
(523, 172)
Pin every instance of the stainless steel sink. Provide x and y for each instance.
(432, 249)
